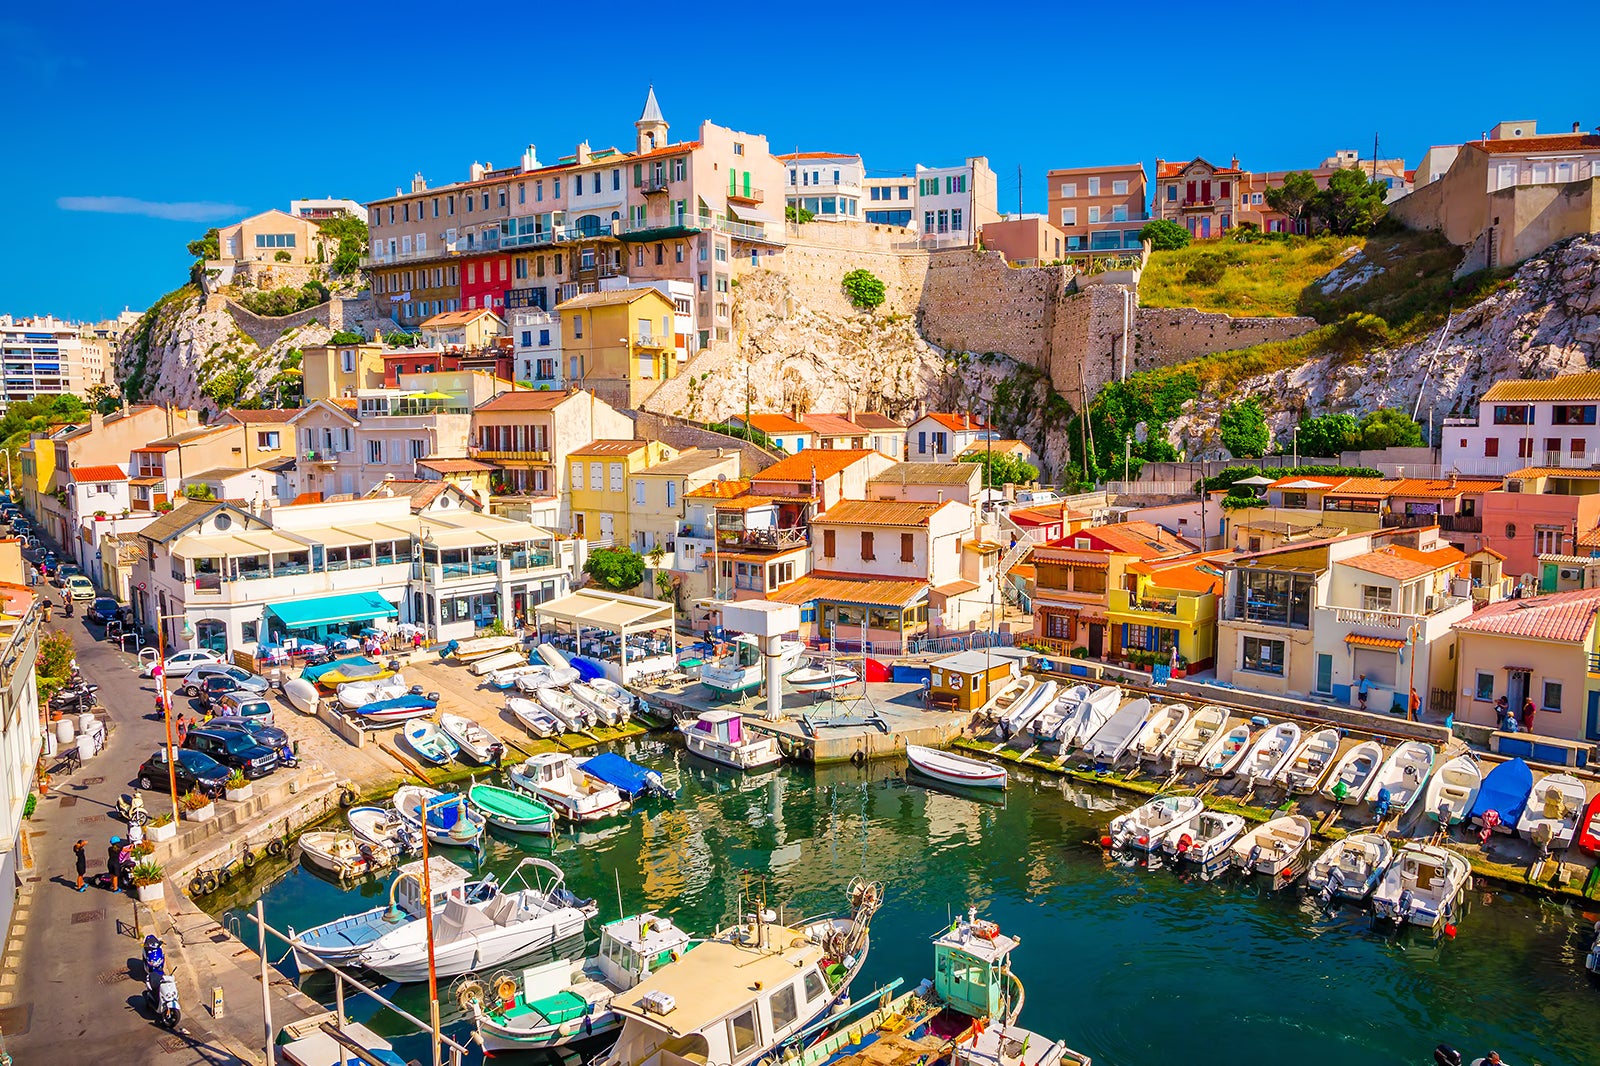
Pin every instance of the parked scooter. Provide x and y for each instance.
(131, 809)
(160, 987)
(79, 697)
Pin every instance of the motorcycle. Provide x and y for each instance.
(160, 987)
(77, 698)
(131, 809)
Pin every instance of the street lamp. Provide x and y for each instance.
(166, 703)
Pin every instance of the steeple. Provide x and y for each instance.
(652, 125)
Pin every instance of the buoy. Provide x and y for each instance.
(1105, 842)
(1450, 931)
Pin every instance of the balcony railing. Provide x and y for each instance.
(652, 185)
(1155, 606)
(1198, 202)
(1450, 523)
(321, 456)
(651, 340)
(748, 195)
(769, 537)
(1357, 616)
(527, 455)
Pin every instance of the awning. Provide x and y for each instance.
(1361, 640)
(323, 610)
(606, 610)
(750, 214)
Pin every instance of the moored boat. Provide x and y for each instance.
(1147, 826)
(429, 742)
(1207, 840)
(1198, 735)
(466, 651)
(1453, 789)
(536, 674)
(1503, 796)
(1351, 867)
(628, 778)
(566, 709)
(554, 778)
(1273, 847)
(1160, 730)
(1589, 827)
(511, 809)
(738, 667)
(604, 708)
(380, 713)
(1401, 780)
(385, 827)
(822, 678)
(1311, 761)
(1084, 719)
(721, 736)
(1225, 750)
(471, 739)
(450, 822)
(955, 769)
(534, 717)
(1551, 816)
(1020, 715)
(1270, 752)
(1114, 738)
(342, 940)
(1348, 780)
(1422, 885)
(342, 855)
(353, 695)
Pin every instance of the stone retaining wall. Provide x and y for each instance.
(1169, 335)
(681, 433)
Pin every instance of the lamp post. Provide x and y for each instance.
(166, 706)
(1411, 684)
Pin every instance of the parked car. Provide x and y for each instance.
(214, 685)
(103, 610)
(196, 772)
(61, 574)
(264, 733)
(80, 587)
(241, 703)
(179, 663)
(234, 749)
(200, 671)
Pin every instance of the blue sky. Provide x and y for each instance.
(131, 128)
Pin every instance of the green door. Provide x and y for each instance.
(1547, 577)
(1325, 674)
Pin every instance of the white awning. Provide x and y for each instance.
(610, 611)
(751, 214)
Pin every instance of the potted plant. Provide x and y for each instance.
(197, 807)
(147, 877)
(161, 827)
(99, 516)
(237, 788)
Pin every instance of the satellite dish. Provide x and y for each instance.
(722, 477)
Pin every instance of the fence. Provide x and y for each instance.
(918, 645)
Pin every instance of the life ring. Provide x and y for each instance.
(275, 847)
(859, 757)
(348, 797)
(676, 956)
(249, 859)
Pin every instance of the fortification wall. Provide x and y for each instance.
(1170, 335)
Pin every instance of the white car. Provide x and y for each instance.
(178, 664)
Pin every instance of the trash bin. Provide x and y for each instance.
(86, 722)
(85, 746)
(65, 731)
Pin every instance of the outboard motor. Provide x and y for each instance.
(1445, 1055)
(1380, 807)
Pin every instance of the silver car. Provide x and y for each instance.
(248, 682)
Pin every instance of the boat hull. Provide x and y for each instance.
(601, 1025)
(410, 963)
(955, 769)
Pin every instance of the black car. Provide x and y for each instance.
(266, 735)
(213, 686)
(234, 749)
(103, 610)
(196, 772)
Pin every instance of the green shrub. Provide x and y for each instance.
(1164, 235)
(275, 303)
(864, 289)
(344, 336)
(282, 257)
(617, 569)
(1207, 270)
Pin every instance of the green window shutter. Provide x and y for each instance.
(638, 175)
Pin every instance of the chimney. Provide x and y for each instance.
(582, 152)
(418, 183)
(475, 172)
(1577, 127)
(530, 159)
(1233, 164)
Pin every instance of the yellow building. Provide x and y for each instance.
(599, 481)
(1172, 605)
(655, 495)
(620, 344)
(333, 370)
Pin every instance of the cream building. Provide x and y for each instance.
(656, 496)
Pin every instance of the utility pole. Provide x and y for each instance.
(1374, 157)
(1019, 190)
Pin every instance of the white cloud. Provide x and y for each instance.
(191, 211)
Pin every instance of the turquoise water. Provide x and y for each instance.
(1134, 965)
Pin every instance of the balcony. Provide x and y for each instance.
(769, 537)
(654, 184)
(1197, 204)
(652, 340)
(528, 455)
(322, 458)
(749, 194)
(1449, 523)
(1356, 616)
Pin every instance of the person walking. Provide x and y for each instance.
(82, 858)
(1527, 715)
(1361, 691)
(113, 851)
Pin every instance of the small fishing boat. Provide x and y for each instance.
(342, 940)
(553, 677)
(429, 741)
(1348, 780)
(342, 855)
(955, 769)
(385, 828)
(507, 678)
(566, 709)
(301, 694)
(721, 737)
(1226, 750)
(1114, 738)
(616, 693)
(1273, 847)
(1311, 761)
(382, 713)
(1146, 827)
(554, 777)
(471, 739)
(1270, 753)
(1503, 796)
(628, 778)
(1589, 827)
(476, 935)
(501, 660)
(1160, 730)
(1421, 886)
(1350, 869)
(1088, 713)
(466, 651)
(1207, 840)
(822, 679)
(1453, 789)
(603, 708)
(511, 809)
(452, 823)
(738, 667)
(343, 671)
(569, 1000)
(1023, 711)
(1049, 722)
(533, 716)
(353, 695)
(1198, 735)
(1401, 780)
(1550, 818)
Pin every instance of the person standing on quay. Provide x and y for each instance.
(82, 860)
(113, 865)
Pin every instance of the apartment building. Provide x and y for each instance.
(1550, 423)
(940, 436)
(955, 203)
(536, 347)
(598, 485)
(331, 370)
(1098, 209)
(620, 344)
(321, 209)
(827, 184)
(656, 496)
(1198, 195)
(890, 201)
(734, 544)
(23, 738)
(527, 435)
(465, 330)
(41, 357)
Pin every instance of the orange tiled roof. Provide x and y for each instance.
(263, 414)
(1144, 539)
(819, 463)
(832, 425)
(1441, 487)
(1387, 643)
(847, 588)
(1196, 576)
(526, 400)
(880, 513)
(719, 490)
(1563, 616)
(455, 466)
(746, 502)
(98, 473)
(979, 447)
(1539, 142)
(1565, 387)
(874, 420)
(958, 422)
(1398, 561)
(610, 447)
(771, 424)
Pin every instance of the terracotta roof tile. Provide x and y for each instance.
(845, 588)
(98, 473)
(1398, 561)
(1366, 487)
(527, 400)
(1562, 616)
(1566, 387)
(959, 422)
(1554, 471)
(832, 425)
(879, 513)
(455, 466)
(251, 415)
(1144, 539)
(1541, 142)
(776, 423)
(928, 474)
(610, 447)
(820, 463)
(1443, 488)
(719, 490)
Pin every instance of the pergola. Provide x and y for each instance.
(612, 612)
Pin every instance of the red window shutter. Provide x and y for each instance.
(1226, 186)
(1205, 190)
(1491, 447)
(1190, 197)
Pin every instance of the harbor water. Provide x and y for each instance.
(1132, 964)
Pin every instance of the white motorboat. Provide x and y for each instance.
(604, 708)
(302, 694)
(955, 769)
(546, 677)
(353, 695)
(569, 1000)
(1311, 761)
(1114, 738)
(1348, 780)
(1207, 840)
(1087, 714)
(474, 741)
(1226, 750)
(823, 678)
(1048, 723)
(615, 693)
(1198, 735)
(342, 855)
(572, 715)
(1023, 711)
(1273, 847)
(1160, 730)
(1399, 781)
(555, 778)
(1421, 885)
(450, 820)
(1146, 827)
(341, 941)
(537, 720)
(1270, 752)
(721, 736)
(1350, 869)
(1554, 808)
(477, 935)
(466, 651)
(508, 677)
(738, 667)
(1453, 789)
(491, 664)
(429, 743)
(385, 828)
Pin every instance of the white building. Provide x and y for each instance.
(536, 340)
(21, 737)
(1527, 424)
(954, 203)
(326, 207)
(940, 436)
(41, 357)
(827, 184)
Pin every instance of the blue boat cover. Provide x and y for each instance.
(626, 777)
(1505, 791)
(396, 704)
(587, 669)
(313, 673)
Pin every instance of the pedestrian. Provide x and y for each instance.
(182, 726)
(82, 859)
(1416, 704)
(125, 864)
(1361, 691)
(1527, 715)
(112, 863)
(66, 604)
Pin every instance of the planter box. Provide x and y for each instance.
(149, 893)
(204, 814)
(158, 833)
(239, 795)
